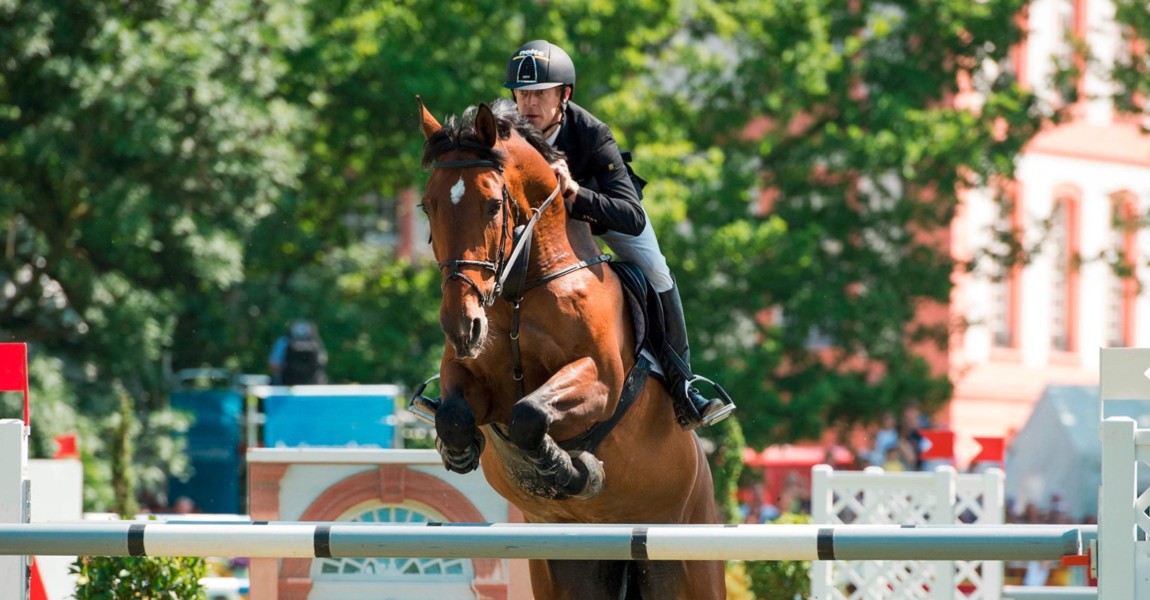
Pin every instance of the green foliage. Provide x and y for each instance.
(139, 143)
(727, 467)
(1131, 71)
(178, 180)
(806, 306)
(139, 578)
(781, 579)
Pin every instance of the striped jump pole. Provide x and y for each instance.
(550, 541)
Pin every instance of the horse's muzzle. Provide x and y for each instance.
(466, 333)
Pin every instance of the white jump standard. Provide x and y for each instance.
(550, 541)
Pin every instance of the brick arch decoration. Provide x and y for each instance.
(394, 484)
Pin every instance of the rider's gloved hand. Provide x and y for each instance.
(567, 186)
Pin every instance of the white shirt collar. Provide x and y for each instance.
(554, 136)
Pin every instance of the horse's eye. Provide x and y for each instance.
(423, 207)
(493, 207)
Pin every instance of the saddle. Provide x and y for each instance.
(643, 302)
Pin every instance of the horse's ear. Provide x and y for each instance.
(430, 125)
(485, 125)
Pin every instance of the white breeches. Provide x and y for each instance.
(643, 251)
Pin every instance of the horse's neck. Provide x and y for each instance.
(559, 242)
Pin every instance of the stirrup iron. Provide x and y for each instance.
(423, 407)
(722, 413)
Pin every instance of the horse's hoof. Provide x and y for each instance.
(593, 467)
(461, 461)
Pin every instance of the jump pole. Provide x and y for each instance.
(550, 541)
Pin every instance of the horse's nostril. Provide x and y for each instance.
(476, 330)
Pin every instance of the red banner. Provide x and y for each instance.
(66, 446)
(14, 372)
(993, 450)
(941, 444)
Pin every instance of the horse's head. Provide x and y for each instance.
(484, 169)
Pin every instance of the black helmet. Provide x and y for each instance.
(538, 65)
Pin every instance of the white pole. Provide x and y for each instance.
(13, 502)
(1116, 525)
(945, 497)
(549, 541)
(822, 511)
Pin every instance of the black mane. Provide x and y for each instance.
(459, 134)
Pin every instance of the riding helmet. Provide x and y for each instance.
(538, 65)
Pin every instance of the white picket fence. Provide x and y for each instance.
(876, 497)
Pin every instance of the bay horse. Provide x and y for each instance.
(538, 377)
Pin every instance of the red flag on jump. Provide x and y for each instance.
(993, 450)
(14, 372)
(37, 591)
(66, 446)
(941, 444)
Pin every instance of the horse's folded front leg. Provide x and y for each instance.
(557, 474)
(458, 439)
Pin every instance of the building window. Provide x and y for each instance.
(373, 218)
(1001, 298)
(398, 570)
(1001, 313)
(1120, 292)
(1062, 244)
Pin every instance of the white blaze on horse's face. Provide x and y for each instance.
(457, 191)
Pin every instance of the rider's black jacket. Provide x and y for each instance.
(607, 198)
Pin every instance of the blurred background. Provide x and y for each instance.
(883, 215)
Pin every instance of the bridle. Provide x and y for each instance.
(501, 266)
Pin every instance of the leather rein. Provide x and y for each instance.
(504, 266)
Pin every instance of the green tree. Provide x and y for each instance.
(1131, 70)
(186, 177)
(139, 143)
(824, 160)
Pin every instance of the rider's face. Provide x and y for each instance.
(541, 107)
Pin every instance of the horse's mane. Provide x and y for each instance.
(459, 134)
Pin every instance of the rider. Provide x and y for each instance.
(598, 188)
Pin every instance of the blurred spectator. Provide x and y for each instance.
(299, 357)
(1037, 572)
(885, 439)
(184, 506)
(911, 438)
(893, 462)
(1058, 514)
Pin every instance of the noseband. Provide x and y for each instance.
(499, 268)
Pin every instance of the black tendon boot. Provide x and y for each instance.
(692, 409)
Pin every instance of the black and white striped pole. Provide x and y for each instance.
(566, 542)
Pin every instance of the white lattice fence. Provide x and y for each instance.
(874, 496)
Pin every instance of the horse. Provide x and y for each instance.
(539, 380)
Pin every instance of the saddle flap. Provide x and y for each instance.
(643, 302)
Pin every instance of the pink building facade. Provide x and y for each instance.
(1078, 187)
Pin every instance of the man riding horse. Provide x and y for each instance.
(599, 187)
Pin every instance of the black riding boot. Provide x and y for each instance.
(692, 409)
